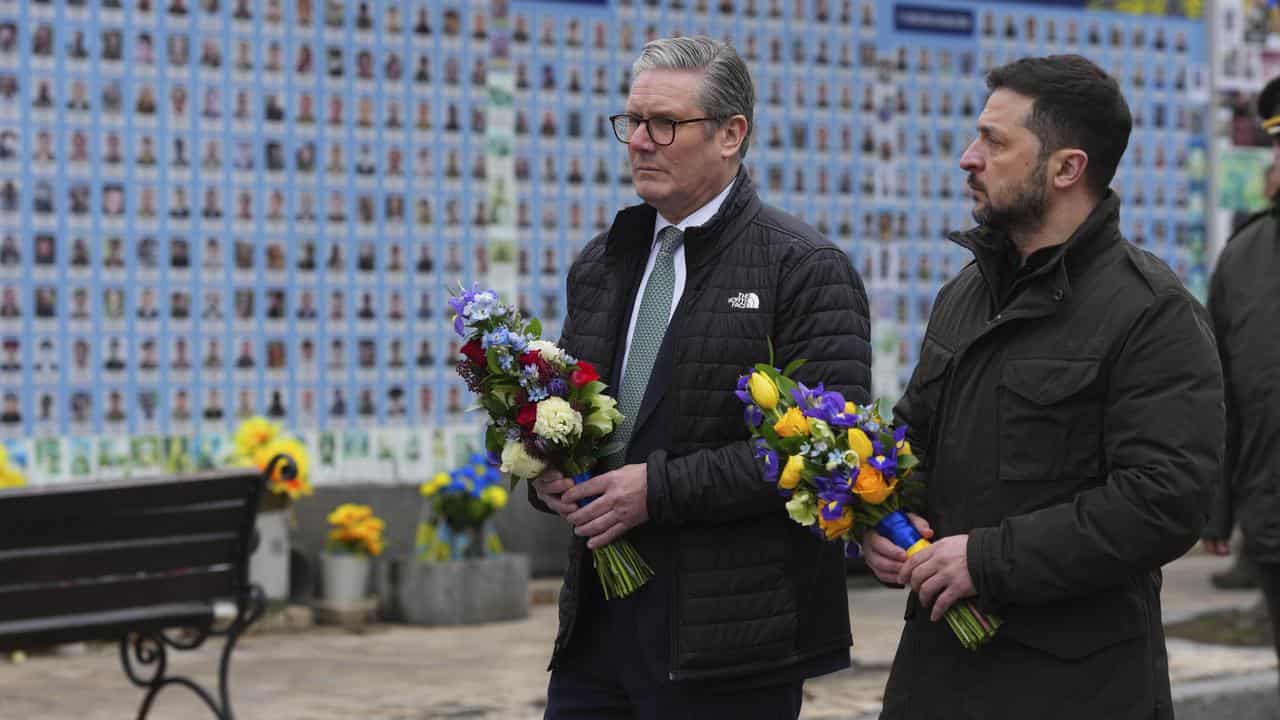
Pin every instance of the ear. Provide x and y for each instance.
(1067, 167)
(732, 133)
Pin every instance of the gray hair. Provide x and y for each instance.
(727, 88)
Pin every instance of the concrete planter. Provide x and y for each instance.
(460, 592)
(346, 578)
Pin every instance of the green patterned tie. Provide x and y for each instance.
(646, 338)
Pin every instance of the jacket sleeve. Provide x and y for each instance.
(1221, 512)
(1162, 437)
(823, 317)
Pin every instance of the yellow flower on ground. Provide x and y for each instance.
(10, 477)
(860, 444)
(792, 423)
(432, 486)
(833, 529)
(870, 485)
(791, 473)
(254, 433)
(763, 390)
(299, 485)
(495, 496)
(350, 514)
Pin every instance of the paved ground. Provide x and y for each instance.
(392, 672)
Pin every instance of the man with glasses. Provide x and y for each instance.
(672, 304)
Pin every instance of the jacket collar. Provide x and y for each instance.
(1099, 231)
(632, 229)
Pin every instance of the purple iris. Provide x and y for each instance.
(899, 434)
(457, 303)
(753, 415)
(833, 495)
(743, 394)
(558, 388)
(768, 460)
(886, 464)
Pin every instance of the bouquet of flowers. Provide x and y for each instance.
(842, 469)
(257, 441)
(459, 506)
(355, 530)
(546, 410)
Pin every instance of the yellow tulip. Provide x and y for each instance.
(763, 390)
(870, 485)
(860, 444)
(850, 409)
(792, 423)
(791, 473)
(833, 529)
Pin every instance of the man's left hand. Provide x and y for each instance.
(621, 503)
(940, 574)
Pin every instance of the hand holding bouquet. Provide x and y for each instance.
(841, 468)
(547, 410)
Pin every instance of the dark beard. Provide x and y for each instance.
(1024, 212)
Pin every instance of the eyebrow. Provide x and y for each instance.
(990, 132)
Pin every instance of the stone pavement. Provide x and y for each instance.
(396, 672)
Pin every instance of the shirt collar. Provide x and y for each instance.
(698, 217)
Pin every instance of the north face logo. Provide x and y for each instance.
(745, 301)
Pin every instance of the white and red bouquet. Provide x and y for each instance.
(547, 410)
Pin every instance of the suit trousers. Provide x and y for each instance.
(603, 677)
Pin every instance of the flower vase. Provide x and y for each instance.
(269, 563)
(346, 578)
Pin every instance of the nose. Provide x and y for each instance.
(971, 160)
(640, 140)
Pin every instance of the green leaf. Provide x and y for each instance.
(907, 462)
(491, 359)
(610, 448)
(534, 329)
(793, 366)
(493, 405)
(770, 341)
(595, 387)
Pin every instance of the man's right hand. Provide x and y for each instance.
(883, 557)
(1217, 546)
(549, 486)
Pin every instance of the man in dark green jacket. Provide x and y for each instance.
(1244, 301)
(1068, 411)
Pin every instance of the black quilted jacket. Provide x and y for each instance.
(742, 589)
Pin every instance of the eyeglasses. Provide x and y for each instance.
(662, 131)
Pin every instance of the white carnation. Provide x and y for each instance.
(557, 421)
(517, 461)
(549, 352)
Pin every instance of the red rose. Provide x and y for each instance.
(526, 416)
(475, 353)
(583, 374)
(533, 357)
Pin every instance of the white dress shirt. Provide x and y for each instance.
(698, 217)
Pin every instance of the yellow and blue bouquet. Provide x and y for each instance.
(842, 469)
(546, 409)
(459, 506)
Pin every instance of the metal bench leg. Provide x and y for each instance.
(139, 650)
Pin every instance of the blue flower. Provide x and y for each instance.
(496, 336)
(537, 392)
(558, 387)
(768, 460)
(753, 415)
(743, 394)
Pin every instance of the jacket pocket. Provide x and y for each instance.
(1077, 628)
(1050, 419)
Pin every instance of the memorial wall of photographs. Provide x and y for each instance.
(214, 208)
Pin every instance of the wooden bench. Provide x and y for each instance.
(152, 564)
